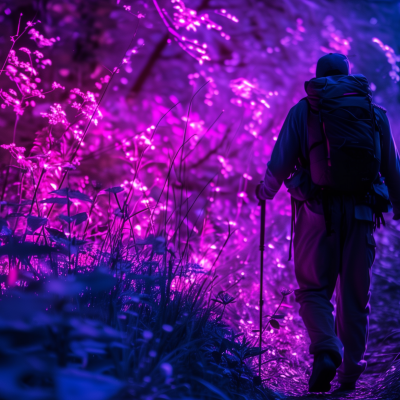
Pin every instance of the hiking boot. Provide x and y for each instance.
(324, 370)
(345, 388)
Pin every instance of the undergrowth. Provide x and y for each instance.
(113, 332)
(90, 308)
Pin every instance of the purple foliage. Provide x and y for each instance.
(174, 108)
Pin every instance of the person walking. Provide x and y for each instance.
(337, 157)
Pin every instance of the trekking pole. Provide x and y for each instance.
(257, 379)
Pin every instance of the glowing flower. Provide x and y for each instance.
(56, 85)
(40, 40)
(56, 116)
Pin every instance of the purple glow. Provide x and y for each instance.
(110, 129)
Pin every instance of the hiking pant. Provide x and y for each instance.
(342, 260)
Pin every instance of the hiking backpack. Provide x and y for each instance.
(344, 144)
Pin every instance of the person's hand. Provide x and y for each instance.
(258, 189)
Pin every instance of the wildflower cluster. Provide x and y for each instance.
(189, 19)
(56, 115)
(24, 75)
(40, 40)
(17, 153)
(88, 108)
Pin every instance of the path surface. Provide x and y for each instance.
(381, 379)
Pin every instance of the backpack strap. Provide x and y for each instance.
(377, 122)
(325, 194)
(302, 160)
(324, 139)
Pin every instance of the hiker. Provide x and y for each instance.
(337, 157)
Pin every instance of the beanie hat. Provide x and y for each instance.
(333, 64)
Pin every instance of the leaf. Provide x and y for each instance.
(75, 194)
(253, 352)
(98, 280)
(23, 203)
(55, 200)
(70, 245)
(65, 286)
(79, 218)
(276, 316)
(274, 323)
(61, 192)
(15, 215)
(118, 213)
(26, 275)
(74, 384)
(68, 167)
(55, 233)
(34, 223)
(65, 218)
(23, 250)
(72, 194)
(159, 245)
(217, 356)
(229, 344)
(116, 189)
(132, 297)
(224, 346)
(4, 229)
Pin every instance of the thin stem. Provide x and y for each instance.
(180, 176)
(137, 167)
(90, 213)
(190, 208)
(36, 189)
(101, 98)
(272, 316)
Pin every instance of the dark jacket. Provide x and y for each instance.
(292, 145)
